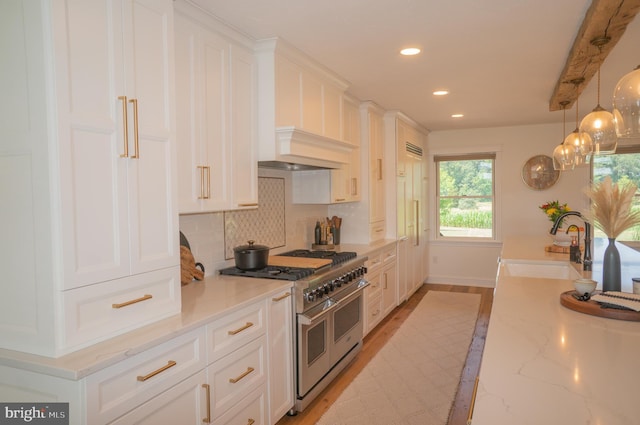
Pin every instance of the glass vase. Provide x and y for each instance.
(611, 280)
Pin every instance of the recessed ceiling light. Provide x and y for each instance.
(441, 92)
(457, 115)
(410, 51)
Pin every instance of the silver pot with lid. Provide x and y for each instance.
(251, 256)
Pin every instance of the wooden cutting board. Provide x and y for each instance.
(594, 309)
(300, 262)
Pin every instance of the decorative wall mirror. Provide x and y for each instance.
(538, 172)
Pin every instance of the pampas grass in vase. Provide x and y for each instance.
(611, 212)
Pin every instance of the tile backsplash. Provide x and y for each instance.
(276, 223)
(264, 225)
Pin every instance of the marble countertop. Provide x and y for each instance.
(546, 364)
(202, 302)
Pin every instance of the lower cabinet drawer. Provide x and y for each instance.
(183, 404)
(233, 377)
(252, 410)
(377, 231)
(235, 330)
(104, 310)
(374, 312)
(116, 390)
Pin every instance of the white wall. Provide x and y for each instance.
(517, 208)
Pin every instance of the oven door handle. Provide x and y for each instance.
(305, 320)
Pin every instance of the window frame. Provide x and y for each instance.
(489, 152)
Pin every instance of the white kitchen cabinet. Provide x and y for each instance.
(216, 118)
(373, 122)
(281, 355)
(381, 294)
(300, 109)
(89, 147)
(409, 142)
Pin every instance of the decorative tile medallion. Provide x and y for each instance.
(264, 225)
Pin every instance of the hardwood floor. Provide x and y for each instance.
(383, 332)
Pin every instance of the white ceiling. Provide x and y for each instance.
(500, 59)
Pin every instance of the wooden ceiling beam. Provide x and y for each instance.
(605, 18)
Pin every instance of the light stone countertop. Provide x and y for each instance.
(202, 302)
(546, 364)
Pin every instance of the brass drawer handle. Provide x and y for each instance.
(207, 388)
(169, 364)
(237, 331)
(253, 204)
(282, 297)
(340, 199)
(137, 300)
(242, 375)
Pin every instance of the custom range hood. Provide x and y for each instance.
(295, 149)
(300, 123)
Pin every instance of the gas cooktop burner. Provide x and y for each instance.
(336, 257)
(270, 272)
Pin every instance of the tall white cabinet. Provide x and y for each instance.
(408, 140)
(216, 116)
(91, 242)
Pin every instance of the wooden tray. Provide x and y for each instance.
(300, 262)
(558, 249)
(594, 309)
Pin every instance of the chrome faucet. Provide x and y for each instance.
(586, 262)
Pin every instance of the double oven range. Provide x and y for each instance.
(329, 316)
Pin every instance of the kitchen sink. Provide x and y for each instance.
(539, 269)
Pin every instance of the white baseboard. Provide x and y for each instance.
(461, 281)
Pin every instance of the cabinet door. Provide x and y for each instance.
(115, 79)
(243, 124)
(389, 288)
(376, 186)
(281, 361)
(185, 403)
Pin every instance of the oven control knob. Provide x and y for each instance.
(319, 293)
(339, 282)
(310, 296)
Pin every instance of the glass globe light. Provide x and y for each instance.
(564, 157)
(582, 146)
(600, 127)
(626, 105)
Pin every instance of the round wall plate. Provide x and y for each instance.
(538, 172)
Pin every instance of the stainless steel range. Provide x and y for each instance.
(329, 321)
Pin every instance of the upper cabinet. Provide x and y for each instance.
(89, 149)
(300, 109)
(216, 117)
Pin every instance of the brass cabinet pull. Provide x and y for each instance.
(473, 401)
(417, 227)
(125, 126)
(137, 300)
(354, 186)
(282, 297)
(237, 331)
(205, 182)
(253, 204)
(207, 388)
(340, 200)
(242, 375)
(385, 281)
(135, 128)
(251, 421)
(169, 364)
(379, 168)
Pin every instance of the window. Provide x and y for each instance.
(465, 193)
(623, 167)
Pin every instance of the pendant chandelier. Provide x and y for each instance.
(626, 105)
(581, 141)
(564, 155)
(599, 125)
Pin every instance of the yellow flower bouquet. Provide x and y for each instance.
(554, 209)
